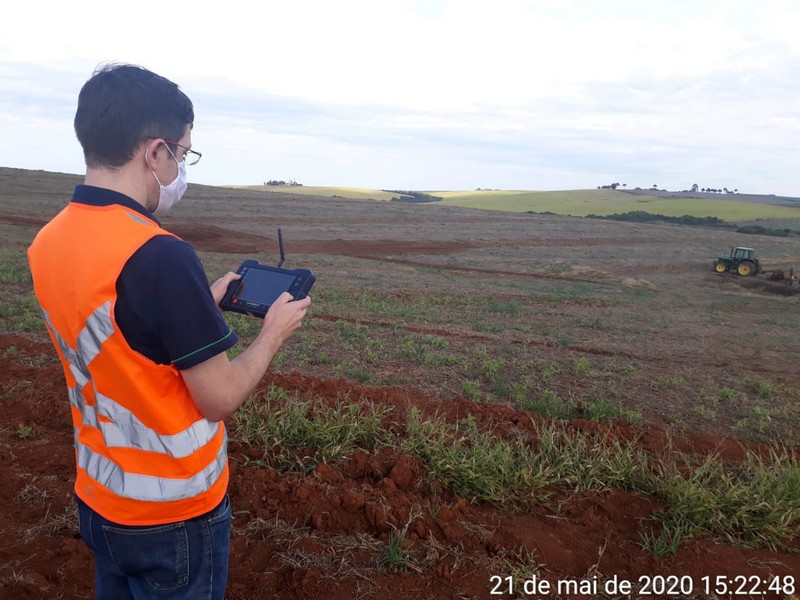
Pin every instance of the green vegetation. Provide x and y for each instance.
(429, 350)
(14, 268)
(19, 311)
(549, 404)
(665, 542)
(755, 503)
(640, 216)
(761, 230)
(24, 431)
(397, 558)
(281, 429)
(408, 196)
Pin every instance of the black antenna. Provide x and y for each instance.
(280, 245)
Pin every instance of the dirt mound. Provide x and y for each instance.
(325, 533)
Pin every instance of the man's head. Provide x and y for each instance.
(123, 106)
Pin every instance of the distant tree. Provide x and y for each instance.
(624, 185)
(694, 187)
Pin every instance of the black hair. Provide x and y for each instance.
(121, 106)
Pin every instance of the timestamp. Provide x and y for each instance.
(752, 585)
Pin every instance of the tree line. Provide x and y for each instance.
(281, 182)
(654, 187)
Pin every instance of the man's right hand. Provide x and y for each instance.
(284, 317)
(219, 386)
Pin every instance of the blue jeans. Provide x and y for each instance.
(184, 560)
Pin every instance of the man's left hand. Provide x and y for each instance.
(220, 286)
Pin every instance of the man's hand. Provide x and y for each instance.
(220, 286)
(219, 386)
(285, 316)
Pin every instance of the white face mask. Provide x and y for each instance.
(170, 195)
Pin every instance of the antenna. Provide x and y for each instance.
(280, 245)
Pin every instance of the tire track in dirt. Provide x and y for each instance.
(578, 348)
(447, 333)
(531, 275)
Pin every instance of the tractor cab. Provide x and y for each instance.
(742, 253)
(741, 260)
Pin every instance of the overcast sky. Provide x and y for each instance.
(433, 94)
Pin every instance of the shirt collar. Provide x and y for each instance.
(97, 196)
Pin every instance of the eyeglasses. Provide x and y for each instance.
(190, 157)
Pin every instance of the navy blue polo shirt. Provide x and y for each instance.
(164, 310)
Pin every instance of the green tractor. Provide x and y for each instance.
(741, 260)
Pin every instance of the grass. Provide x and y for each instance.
(360, 348)
(281, 429)
(755, 503)
(19, 311)
(451, 343)
(428, 350)
(397, 558)
(549, 404)
(14, 268)
(665, 542)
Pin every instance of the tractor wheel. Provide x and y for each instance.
(720, 267)
(746, 269)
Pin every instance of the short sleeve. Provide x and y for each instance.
(165, 309)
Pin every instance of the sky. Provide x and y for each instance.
(433, 94)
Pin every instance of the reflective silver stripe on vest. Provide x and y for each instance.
(139, 219)
(147, 487)
(125, 430)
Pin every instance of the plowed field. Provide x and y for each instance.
(619, 335)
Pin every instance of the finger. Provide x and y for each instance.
(227, 278)
(304, 302)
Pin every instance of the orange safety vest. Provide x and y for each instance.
(145, 454)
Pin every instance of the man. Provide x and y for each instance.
(143, 347)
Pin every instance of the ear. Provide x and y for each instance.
(152, 150)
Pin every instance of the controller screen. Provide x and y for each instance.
(263, 287)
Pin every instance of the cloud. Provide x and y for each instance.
(404, 93)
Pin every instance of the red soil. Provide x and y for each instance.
(323, 534)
